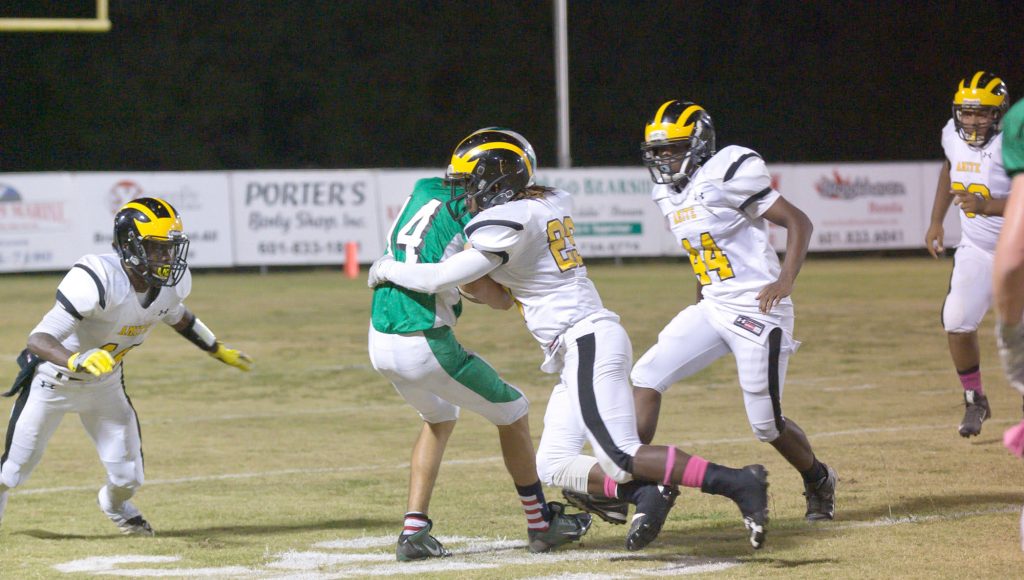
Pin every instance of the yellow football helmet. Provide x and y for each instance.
(978, 108)
(677, 141)
(149, 237)
(489, 167)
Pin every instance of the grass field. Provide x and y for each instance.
(299, 468)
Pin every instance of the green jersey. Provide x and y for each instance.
(1013, 140)
(424, 232)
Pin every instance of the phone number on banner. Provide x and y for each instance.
(302, 248)
(18, 258)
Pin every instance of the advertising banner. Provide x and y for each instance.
(612, 210)
(201, 199)
(39, 225)
(256, 218)
(855, 206)
(304, 217)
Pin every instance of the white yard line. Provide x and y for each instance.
(372, 556)
(912, 519)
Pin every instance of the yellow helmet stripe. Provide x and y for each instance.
(977, 77)
(659, 116)
(686, 115)
(467, 163)
(673, 130)
(156, 226)
(991, 86)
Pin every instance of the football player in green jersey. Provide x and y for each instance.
(412, 344)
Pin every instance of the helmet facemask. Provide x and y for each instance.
(976, 124)
(159, 261)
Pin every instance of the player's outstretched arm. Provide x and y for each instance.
(198, 334)
(461, 268)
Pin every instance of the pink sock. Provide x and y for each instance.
(972, 381)
(611, 489)
(670, 462)
(693, 473)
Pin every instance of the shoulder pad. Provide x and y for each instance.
(83, 290)
(746, 172)
(497, 229)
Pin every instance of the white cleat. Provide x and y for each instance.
(129, 520)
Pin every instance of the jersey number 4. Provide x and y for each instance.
(975, 188)
(563, 245)
(708, 257)
(410, 237)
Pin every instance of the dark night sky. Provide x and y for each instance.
(230, 84)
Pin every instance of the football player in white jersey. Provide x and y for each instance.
(973, 178)
(522, 236)
(106, 305)
(718, 206)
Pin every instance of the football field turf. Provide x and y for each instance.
(299, 469)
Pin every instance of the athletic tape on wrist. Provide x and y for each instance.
(201, 336)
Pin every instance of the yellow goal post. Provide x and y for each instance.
(99, 24)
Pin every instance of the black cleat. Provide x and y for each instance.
(752, 498)
(420, 546)
(562, 529)
(653, 503)
(975, 413)
(611, 510)
(821, 498)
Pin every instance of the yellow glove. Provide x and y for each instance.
(95, 361)
(230, 356)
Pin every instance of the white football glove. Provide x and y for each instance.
(1010, 339)
(379, 270)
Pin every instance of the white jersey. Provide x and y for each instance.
(979, 171)
(98, 308)
(541, 265)
(717, 220)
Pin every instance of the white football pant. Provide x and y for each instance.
(697, 337)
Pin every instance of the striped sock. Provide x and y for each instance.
(536, 509)
(414, 522)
